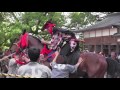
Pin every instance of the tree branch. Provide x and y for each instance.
(14, 16)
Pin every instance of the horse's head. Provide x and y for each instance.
(68, 34)
(74, 45)
(19, 43)
(14, 46)
(69, 38)
(60, 39)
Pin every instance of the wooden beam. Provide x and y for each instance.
(101, 48)
(109, 49)
(117, 48)
(95, 48)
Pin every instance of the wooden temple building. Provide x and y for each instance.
(104, 35)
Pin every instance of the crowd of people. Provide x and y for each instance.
(35, 69)
(31, 65)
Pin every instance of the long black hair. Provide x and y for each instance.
(24, 31)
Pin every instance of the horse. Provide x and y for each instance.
(5, 63)
(93, 65)
(33, 41)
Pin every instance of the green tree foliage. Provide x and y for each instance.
(35, 20)
(12, 23)
(81, 19)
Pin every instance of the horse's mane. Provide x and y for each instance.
(24, 31)
(65, 31)
(13, 41)
(36, 38)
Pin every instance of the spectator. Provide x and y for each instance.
(13, 66)
(114, 56)
(62, 70)
(1, 54)
(33, 68)
(118, 56)
(101, 53)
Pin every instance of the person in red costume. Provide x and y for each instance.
(45, 51)
(15, 62)
(49, 26)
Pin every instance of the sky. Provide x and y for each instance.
(94, 13)
(68, 19)
(66, 15)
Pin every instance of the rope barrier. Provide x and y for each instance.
(14, 75)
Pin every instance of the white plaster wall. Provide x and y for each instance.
(98, 33)
(105, 32)
(113, 31)
(86, 34)
(92, 33)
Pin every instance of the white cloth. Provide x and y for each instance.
(35, 70)
(12, 67)
(119, 57)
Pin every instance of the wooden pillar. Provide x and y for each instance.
(109, 45)
(95, 48)
(117, 43)
(89, 47)
(101, 48)
(109, 49)
(84, 46)
(117, 48)
(101, 40)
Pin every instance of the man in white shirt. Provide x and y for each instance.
(33, 68)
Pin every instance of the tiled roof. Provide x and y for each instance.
(109, 21)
